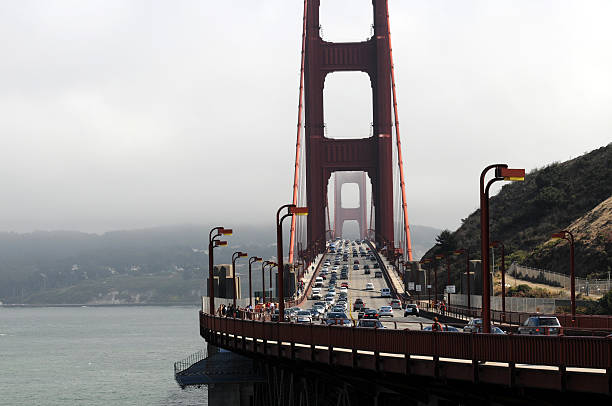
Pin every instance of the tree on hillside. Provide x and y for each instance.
(446, 241)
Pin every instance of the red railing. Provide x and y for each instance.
(582, 321)
(582, 352)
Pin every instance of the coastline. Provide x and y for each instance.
(29, 305)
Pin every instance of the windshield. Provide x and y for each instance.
(336, 315)
(549, 321)
(303, 313)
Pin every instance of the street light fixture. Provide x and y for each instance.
(251, 260)
(467, 272)
(569, 237)
(235, 256)
(495, 244)
(502, 172)
(212, 243)
(292, 210)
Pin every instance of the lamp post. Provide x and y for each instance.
(569, 237)
(292, 210)
(502, 172)
(428, 281)
(251, 260)
(467, 272)
(503, 276)
(448, 279)
(438, 257)
(235, 256)
(212, 243)
(263, 278)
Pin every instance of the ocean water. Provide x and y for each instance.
(96, 355)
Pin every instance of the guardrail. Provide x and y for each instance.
(559, 351)
(582, 321)
(184, 364)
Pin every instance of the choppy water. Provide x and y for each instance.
(96, 355)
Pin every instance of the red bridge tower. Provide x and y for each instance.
(325, 155)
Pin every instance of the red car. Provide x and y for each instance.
(344, 285)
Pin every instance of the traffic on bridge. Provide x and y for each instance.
(341, 326)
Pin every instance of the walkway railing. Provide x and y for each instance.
(184, 364)
(559, 351)
(582, 321)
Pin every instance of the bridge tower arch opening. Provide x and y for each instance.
(350, 204)
(373, 155)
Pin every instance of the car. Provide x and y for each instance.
(276, 315)
(376, 265)
(370, 314)
(344, 285)
(316, 294)
(411, 308)
(292, 311)
(304, 316)
(385, 311)
(395, 304)
(448, 328)
(369, 286)
(314, 314)
(366, 271)
(378, 274)
(475, 326)
(319, 309)
(337, 318)
(370, 324)
(385, 292)
(355, 267)
(343, 290)
(338, 308)
(366, 266)
(541, 325)
(330, 300)
(356, 262)
(358, 304)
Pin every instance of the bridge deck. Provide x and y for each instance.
(580, 364)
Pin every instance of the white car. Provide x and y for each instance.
(385, 311)
(343, 290)
(304, 316)
(316, 294)
(369, 286)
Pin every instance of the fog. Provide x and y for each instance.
(130, 114)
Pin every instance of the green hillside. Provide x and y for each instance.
(524, 215)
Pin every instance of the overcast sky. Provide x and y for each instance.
(125, 114)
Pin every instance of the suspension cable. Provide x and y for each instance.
(299, 134)
(400, 161)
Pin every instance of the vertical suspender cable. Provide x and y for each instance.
(399, 146)
(298, 144)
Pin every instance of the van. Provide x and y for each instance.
(385, 292)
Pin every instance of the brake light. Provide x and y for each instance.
(537, 330)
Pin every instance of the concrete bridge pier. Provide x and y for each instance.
(230, 394)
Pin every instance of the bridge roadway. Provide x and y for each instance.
(357, 280)
(484, 368)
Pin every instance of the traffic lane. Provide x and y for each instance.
(409, 322)
(357, 289)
